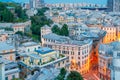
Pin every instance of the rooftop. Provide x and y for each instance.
(6, 46)
(29, 44)
(48, 74)
(44, 50)
(8, 64)
(107, 49)
(65, 40)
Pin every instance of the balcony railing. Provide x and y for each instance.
(12, 71)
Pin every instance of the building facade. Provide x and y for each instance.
(36, 3)
(77, 51)
(115, 66)
(42, 57)
(109, 68)
(111, 34)
(9, 70)
(7, 51)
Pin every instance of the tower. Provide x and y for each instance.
(44, 31)
(113, 5)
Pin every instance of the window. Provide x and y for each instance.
(71, 57)
(35, 49)
(63, 62)
(58, 64)
(6, 78)
(78, 53)
(118, 54)
(79, 63)
(28, 50)
(13, 76)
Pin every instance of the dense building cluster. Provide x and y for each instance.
(91, 46)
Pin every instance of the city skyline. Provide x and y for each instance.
(102, 2)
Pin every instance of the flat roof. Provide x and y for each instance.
(29, 44)
(44, 50)
(66, 40)
(6, 46)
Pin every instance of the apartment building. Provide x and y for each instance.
(5, 34)
(109, 68)
(9, 69)
(7, 51)
(43, 57)
(77, 51)
(111, 34)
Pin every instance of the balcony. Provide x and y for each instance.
(8, 72)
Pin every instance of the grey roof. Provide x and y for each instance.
(48, 74)
(65, 40)
(34, 56)
(6, 46)
(8, 64)
(29, 44)
(81, 26)
(107, 49)
(53, 36)
(92, 33)
(116, 45)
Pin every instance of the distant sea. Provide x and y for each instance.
(102, 2)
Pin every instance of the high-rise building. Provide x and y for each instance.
(113, 5)
(36, 3)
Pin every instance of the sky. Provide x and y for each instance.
(70, 1)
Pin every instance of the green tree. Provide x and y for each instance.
(21, 14)
(74, 75)
(63, 71)
(7, 16)
(62, 74)
(64, 30)
(20, 33)
(38, 21)
(16, 79)
(56, 29)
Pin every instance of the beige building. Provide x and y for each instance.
(77, 51)
(3, 37)
(111, 34)
(17, 28)
(42, 57)
(104, 61)
(5, 34)
(7, 51)
(58, 19)
(21, 26)
(109, 59)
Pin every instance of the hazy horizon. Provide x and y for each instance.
(102, 2)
